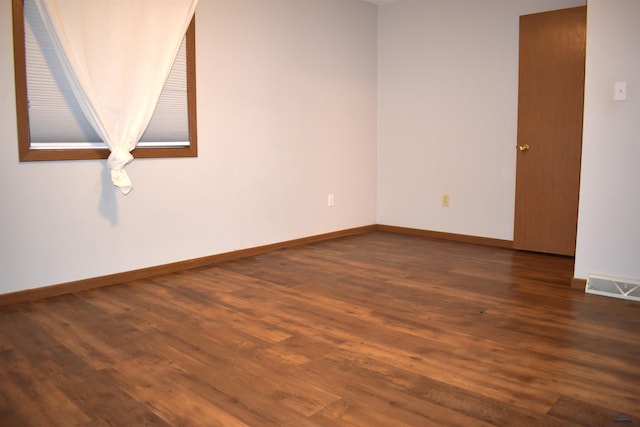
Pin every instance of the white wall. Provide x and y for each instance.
(286, 115)
(609, 219)
(448, 82)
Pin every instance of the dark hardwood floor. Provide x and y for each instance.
(370, 330)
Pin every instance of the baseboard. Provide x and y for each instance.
(578, 284)
(145, 273)
(485, 241)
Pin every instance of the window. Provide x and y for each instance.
(51, 125)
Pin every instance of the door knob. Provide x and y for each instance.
(524, 147)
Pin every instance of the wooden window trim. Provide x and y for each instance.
(27, 154)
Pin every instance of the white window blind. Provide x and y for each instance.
(55, 118)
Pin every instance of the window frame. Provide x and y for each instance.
(28, 154)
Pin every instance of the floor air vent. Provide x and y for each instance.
(613, 287)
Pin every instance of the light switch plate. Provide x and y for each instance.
(620, 91)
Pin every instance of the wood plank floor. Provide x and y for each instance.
(371, 330)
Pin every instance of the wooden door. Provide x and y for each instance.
(550, 109)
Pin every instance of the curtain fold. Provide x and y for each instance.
(117, 55)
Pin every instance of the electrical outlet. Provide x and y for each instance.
(445, 200)
(330, 200)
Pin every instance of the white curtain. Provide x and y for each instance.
(117, 55)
